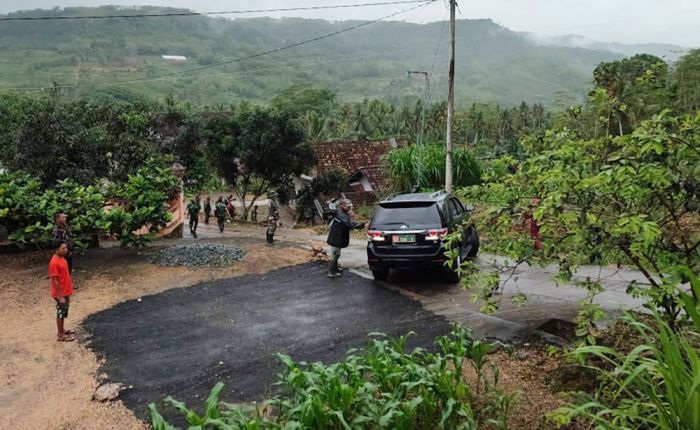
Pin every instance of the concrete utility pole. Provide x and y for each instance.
(450, 100)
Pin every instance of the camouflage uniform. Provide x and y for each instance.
(193, 211)
(273, 217)
(220, 213)
(63, 233)
(207, 210)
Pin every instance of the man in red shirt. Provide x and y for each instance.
(61, 288)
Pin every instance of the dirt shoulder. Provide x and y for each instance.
(49, 384)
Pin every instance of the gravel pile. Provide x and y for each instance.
(198, 255)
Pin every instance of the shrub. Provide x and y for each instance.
(142, 201)
(27, 209)
(655, 386)
(629, 199)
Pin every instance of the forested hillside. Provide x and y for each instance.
(494, 64)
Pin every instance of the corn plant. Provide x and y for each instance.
(380, 386)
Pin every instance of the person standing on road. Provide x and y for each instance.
(339, 234)
(220, 213)
(207, 209)
(254, 214)
(273, 216)
(61, 289)
(62, 232)
(231, 208)
(193, 212)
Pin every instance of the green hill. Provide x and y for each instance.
(493, 63)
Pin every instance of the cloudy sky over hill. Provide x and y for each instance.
(627, 21)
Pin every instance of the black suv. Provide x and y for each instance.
(408, 231)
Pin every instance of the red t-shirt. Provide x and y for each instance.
(58, 267)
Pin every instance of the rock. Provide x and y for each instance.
(522, 355)
(107, 392)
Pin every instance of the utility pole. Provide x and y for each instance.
(450, 100)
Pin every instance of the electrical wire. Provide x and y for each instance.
(230, 12)
(112, 72)
(240, 59)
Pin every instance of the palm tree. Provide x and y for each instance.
(316, 126)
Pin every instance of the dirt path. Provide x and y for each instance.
(48, 384)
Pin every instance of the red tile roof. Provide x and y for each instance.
(374, 174)
(351, 156)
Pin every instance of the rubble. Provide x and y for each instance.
(107, 392)
(198, 255)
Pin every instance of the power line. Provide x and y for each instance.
(249, 57)
(437, 51)
(316, 60)
(229, 12)
(319, 61)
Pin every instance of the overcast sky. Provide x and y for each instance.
(627, 21)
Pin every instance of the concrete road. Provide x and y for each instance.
(546, 300)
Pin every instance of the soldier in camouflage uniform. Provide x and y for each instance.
(207, 209)
(193, 212)
(220, 213)
(62, 233)
(273, 216)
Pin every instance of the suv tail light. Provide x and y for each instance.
(375, 236)
(436, 234)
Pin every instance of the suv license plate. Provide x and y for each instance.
(404, 238)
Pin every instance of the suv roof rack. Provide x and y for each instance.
(391, 196)
(408, 197)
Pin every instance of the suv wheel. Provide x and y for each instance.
(452, 273)
(380, 273)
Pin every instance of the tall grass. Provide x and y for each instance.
(380, 386)
(425, 166)
(656, 386)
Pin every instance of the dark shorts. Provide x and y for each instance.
(62, 309)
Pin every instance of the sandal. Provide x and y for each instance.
(68, 332)
(65, 339)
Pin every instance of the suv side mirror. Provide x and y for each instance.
(469, 208)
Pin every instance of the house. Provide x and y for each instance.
(360, 160)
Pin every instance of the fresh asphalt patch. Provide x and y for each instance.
(182, 341)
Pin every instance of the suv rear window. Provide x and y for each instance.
(410, 214)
